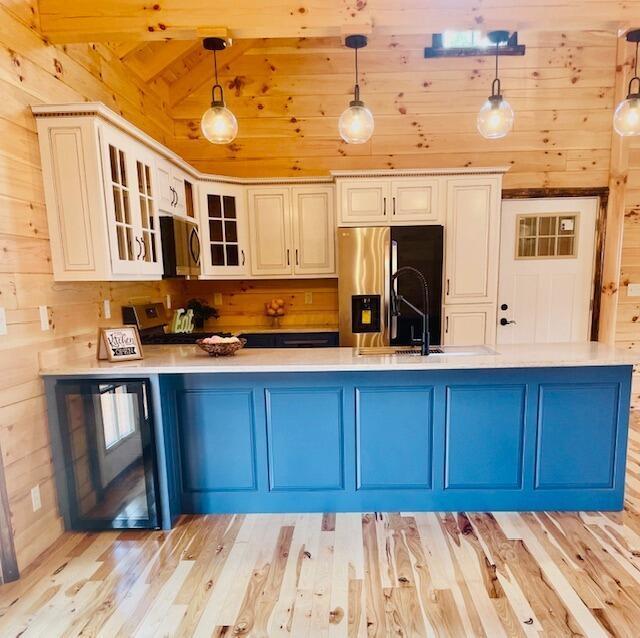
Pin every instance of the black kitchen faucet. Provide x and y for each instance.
(396, 299)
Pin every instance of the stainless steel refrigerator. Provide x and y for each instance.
(367, 259)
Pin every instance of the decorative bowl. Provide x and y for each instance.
(221, 349)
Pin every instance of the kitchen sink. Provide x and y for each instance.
(434, 351)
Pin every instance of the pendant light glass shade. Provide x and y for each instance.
(495, 118)
(218, 124)
(626, 119)
(356, 122)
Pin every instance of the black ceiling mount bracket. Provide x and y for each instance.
(498, 37)
(215, 44)
(356, 41)
(633, 36)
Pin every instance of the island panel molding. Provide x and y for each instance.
(435, 439)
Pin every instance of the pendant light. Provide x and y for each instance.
(218, 124)
(356, 122)
(626, 119)
(495, 118)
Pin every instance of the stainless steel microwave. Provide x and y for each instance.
(180, 247)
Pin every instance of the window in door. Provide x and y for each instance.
(546, 236)
(122, 204)
(223, 230)
(145, 195)
(119, 413)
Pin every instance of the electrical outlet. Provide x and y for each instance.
(633, 290)
(217, 299)
(167, 301)
(36, 501)
(44, 318)
(106, 308)
(308, 298)
(3, 322)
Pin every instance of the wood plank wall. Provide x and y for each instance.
(289, 93)
(31, 71)
(628, 316)
(242, 306)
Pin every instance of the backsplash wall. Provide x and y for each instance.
(309, 303)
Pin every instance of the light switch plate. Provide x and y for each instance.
(217, 299)
(3, 322)
(308, 298)
(633, 290)
(44, 318)
(106, 308)
(36, 500)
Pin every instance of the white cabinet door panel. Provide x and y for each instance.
(313, 230)
(471, 230)
(469, 325)
(269, 222)
(364, 202)
(414, 200)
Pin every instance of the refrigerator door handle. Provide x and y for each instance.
(394, 268)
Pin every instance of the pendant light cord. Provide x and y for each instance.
(220, 101)
(356, 88)
(635, 77)
(496, 81)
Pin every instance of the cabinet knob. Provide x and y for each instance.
(243, 259)
(288, 260)
(297, 261)
(394, 206)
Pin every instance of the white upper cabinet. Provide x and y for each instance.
(292, 230)
(131, 205)
(391, 201)
(472, 240)
(101, 200)
(415, 201)
(176, 189)
(224, 233)
(313, 230)
(364, 202)
(270, 227)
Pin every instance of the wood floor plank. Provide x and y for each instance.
(354, 575)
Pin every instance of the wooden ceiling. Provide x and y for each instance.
(289, 88)
(88, 20)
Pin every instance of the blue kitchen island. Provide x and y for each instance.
(527, 428)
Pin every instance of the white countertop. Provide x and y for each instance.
(189, 359)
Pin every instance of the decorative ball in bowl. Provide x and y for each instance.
(221, 346)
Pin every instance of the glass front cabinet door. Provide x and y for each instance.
(131, 206)
(223, 225)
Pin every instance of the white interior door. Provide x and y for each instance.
(546, 270)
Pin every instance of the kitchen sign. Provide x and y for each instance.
(119, 344)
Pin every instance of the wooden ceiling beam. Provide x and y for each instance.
(127, 20)
(202, 72)
(161, 55)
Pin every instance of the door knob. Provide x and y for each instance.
(506, 322)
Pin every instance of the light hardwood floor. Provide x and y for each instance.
(402, 574)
